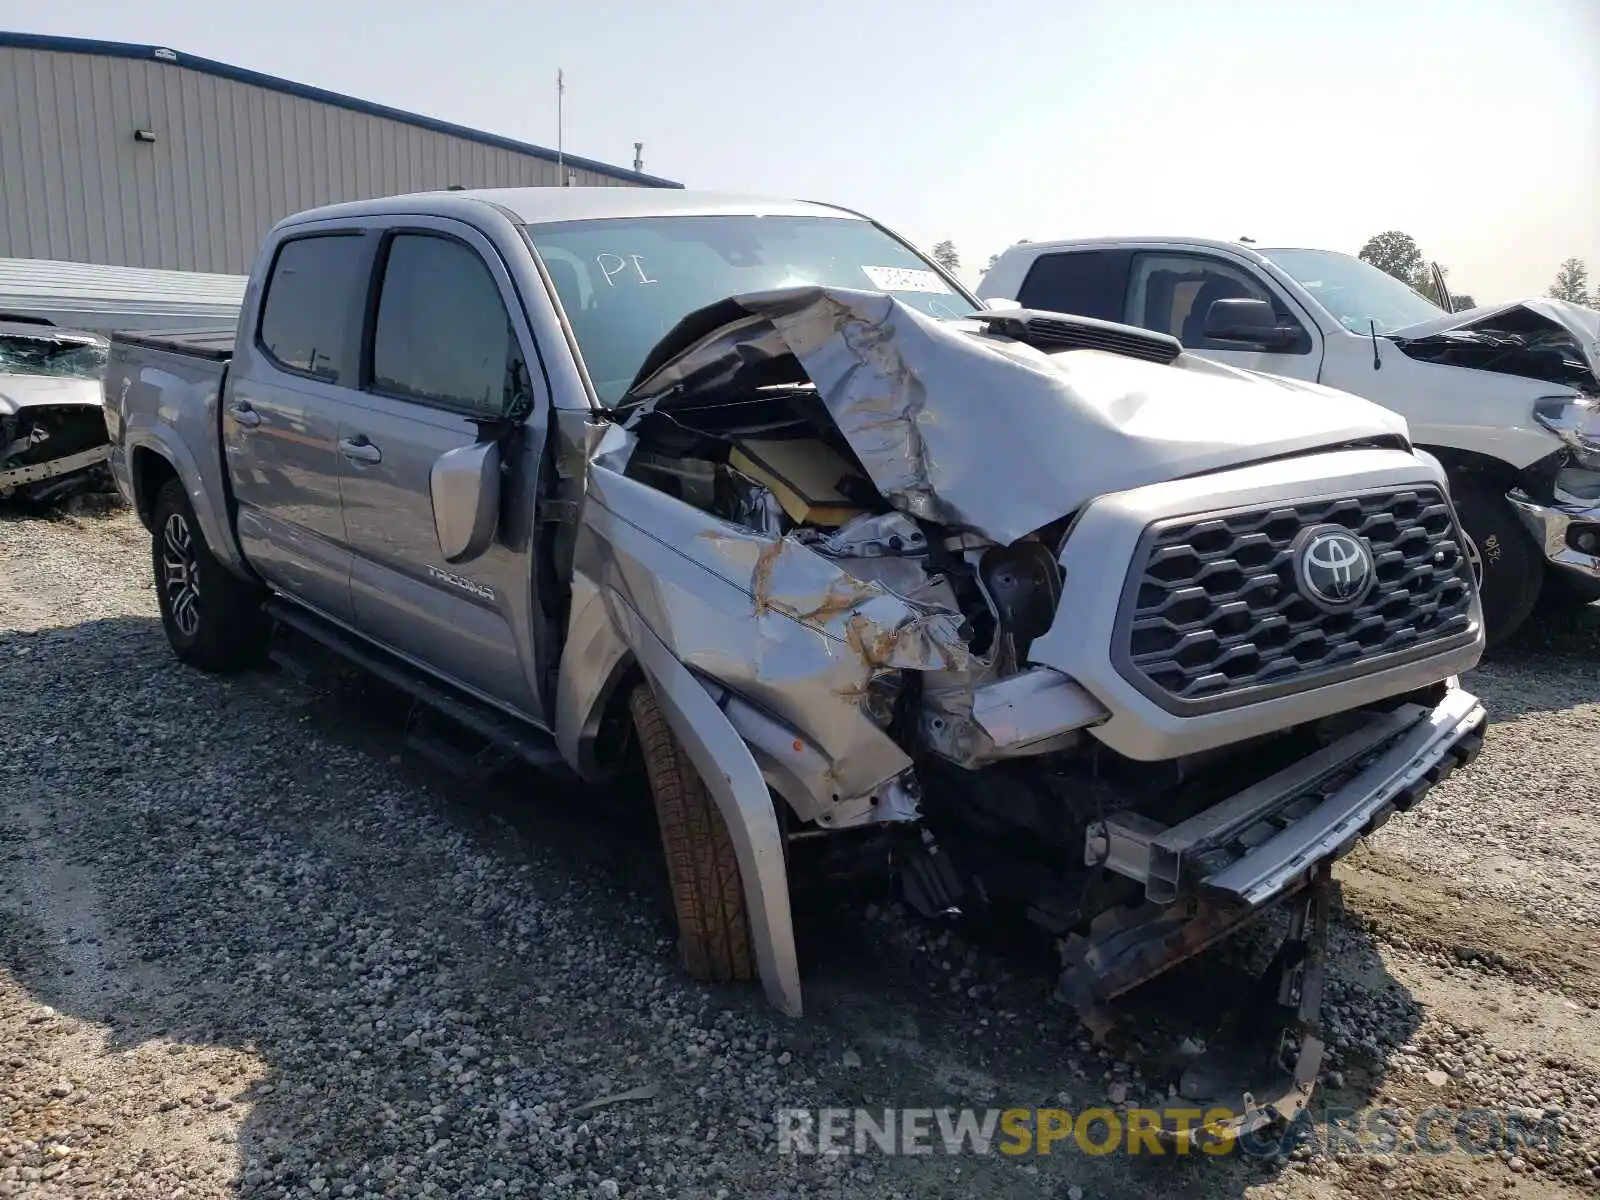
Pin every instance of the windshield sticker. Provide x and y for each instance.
(905, 279)
(627, 267)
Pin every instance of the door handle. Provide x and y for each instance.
(245, 415)
(359, 450)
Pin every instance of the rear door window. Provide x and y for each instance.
(443, 335)
(1084, 283)
(308, 318)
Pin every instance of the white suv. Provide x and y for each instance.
(1505, 396)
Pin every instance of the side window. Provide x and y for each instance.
(1172, 293)
(443, 335)
(307, 315)
(1084, 283)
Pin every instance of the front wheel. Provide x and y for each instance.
(1509, 566)
(707, 892)
(213, 619)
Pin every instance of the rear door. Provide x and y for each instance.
(299, 349)
(447, 345)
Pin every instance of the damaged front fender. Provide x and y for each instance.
(785, 629)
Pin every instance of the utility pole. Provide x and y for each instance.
(638, 156)
(561, 162)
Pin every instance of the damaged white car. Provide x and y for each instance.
(52, 427)
(1056, 619)
(1507, 396)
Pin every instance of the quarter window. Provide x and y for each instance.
(306, 318)
(1083, 283)
(443, 335)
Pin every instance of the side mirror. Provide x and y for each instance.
(464, 485)
(1248, 320)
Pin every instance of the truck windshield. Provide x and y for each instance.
(48, 354)
(625, 282)
(1356, 294)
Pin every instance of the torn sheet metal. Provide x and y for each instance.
(1554, 325)
(1035, 712)
(959, 426)
(788, 630)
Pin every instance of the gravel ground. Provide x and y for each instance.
(247, 948)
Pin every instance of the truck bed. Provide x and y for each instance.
(213, 343)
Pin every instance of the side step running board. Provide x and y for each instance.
(525, 741)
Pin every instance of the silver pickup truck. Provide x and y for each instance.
(1053, 617)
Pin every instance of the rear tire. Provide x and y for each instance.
(1512, 567)
(702, 868)
(214, 620)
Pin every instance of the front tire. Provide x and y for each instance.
(702, 868)
(214, 620)
(1511, 568)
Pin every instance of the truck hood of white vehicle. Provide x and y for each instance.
(956, 424)
(27, 391)
(1551, 340)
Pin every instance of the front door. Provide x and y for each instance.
(448, 346)
(289, 374)
(1172, 293)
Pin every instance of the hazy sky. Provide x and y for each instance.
(1474, 125)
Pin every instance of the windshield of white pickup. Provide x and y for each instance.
(1356, 294)
(625, 283)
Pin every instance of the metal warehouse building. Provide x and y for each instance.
(141, 156)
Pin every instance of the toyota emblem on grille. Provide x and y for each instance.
(1334, 567)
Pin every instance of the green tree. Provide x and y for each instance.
(989, 266)
(944, 253)
(1396, 253)
(1464, 301)
(1572, 283)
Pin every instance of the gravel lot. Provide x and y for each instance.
(249, 948)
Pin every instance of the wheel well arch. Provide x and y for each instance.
(1471, 464)
(150, 471)
(607, 739)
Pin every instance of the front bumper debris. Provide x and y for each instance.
(69, 464)
(1568, 532)
(1272, 844)
(1266, 840)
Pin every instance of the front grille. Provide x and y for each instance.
(1213, 616)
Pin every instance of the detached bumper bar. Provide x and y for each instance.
(1569, 534)
(82, 461)
(1432, 747)
(1268, 840)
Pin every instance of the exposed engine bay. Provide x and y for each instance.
(1550, 340)
(53, 437)
(993, 747)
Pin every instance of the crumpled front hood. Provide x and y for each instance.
(965, 428)
(25, 391)
(1558, 324)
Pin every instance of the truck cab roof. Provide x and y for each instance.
(544, 205)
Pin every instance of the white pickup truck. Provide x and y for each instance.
(1062, 622)
(1505, 396)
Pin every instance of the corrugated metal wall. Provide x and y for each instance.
(229, 160)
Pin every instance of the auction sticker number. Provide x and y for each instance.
(905, 279)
